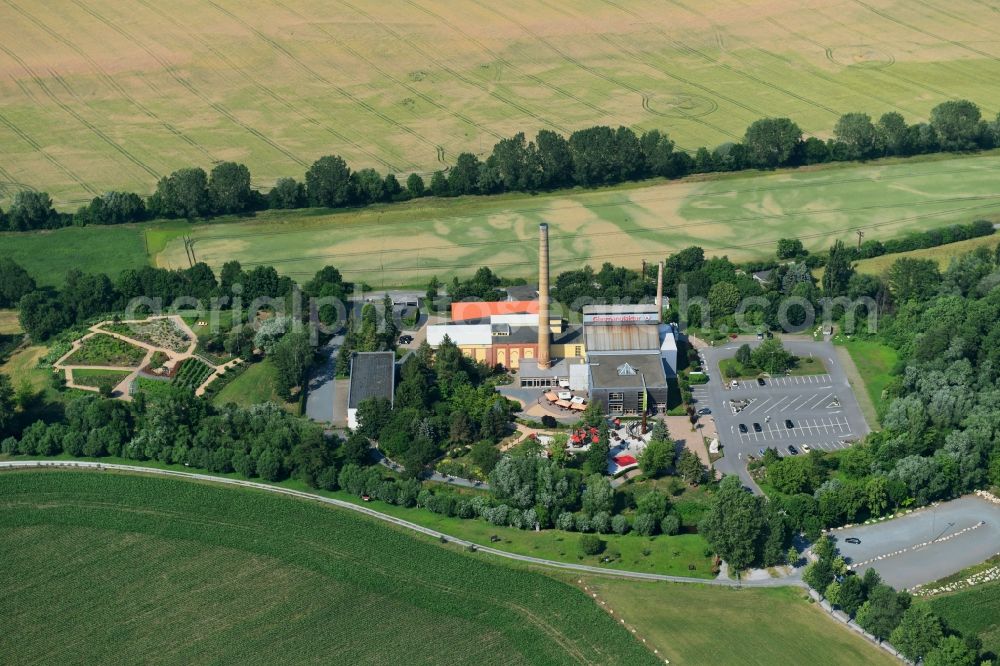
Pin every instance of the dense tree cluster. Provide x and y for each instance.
(443, 400)
(258, 441)
(589, 157)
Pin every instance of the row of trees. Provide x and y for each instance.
(177, 428)
(593, 156)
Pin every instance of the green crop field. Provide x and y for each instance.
(694, 624)
(99, 378)
(102, 95)
(742, 216)
(49, 255)
(102, 567)
(974, 612)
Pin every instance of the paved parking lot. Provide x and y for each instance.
(816, 411)
(926, 545)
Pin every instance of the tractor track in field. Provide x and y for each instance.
(266, 90)
(791, 581)
(461, 77)
(416, 91)
(729, 68)
(70, 111)
(503, 62)
(316, 76)
(37, 147)
(108, 80)
(187, 85)
(639, 57)
(913, 28)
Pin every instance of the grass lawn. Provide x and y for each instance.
(106, 350)
(733, 369)
(256, 385)
(691, 624)
(48, 255)
(105, 567)
(9, 324)
(874, 362)
(23, 364)
(99, 378)
(973, 612)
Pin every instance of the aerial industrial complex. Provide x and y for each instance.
(621, 356)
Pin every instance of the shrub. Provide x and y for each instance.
(591, 544)
(670, 525)
(620, 524)
(644, 525)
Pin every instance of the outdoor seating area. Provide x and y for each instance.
(566, 401)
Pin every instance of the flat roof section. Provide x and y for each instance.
(373, 375)
(627, 371)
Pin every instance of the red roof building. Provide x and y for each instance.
(467, 311)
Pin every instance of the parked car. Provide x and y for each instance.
(794, 451)
(704, 411)
(743, 428)
(761, 451)
(761, 382)
(806, 448)
(853, 540)
(405, 339)
(789, 424)
(757, 428)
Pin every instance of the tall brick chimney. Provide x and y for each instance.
(659, 292)
(544, 334)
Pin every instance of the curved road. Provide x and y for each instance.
(582, 568)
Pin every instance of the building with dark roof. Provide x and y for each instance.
(373, 375)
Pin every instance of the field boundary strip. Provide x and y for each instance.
(193, 476)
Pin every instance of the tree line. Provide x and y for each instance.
(589, 157)
(912, 628)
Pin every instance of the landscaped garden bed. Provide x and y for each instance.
(103, 380)
(156, 332)
(191, 373)
(106, 350)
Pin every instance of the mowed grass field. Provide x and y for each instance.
(117, 568)
(99, 95)
(694, 624)
(742, 216)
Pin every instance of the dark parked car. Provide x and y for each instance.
(743, 428)
(761, 382)
(794, 451)
(405, 339)
(704, 411)
(854, 540)
(761, 452)
(789, 424)
(757, 428)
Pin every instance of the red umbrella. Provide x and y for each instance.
(595, 439)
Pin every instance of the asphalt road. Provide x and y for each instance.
(320, 399)
(821, 410)
(936, 542)
(581, 568)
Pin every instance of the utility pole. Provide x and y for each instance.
(861, 235)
